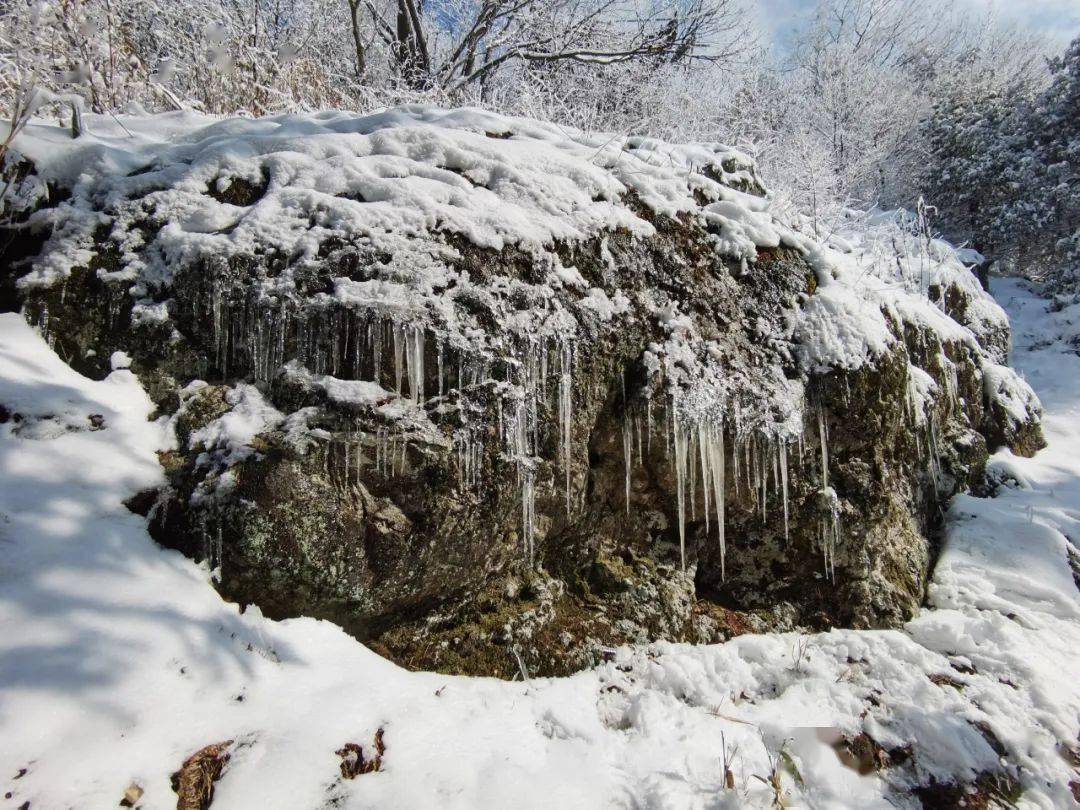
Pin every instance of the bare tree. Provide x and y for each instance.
(463, 42)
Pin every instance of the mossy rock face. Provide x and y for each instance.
(200, 409)
(1002, 430)
(416, 543)
(875, 575)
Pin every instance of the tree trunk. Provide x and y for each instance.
(412, 55)
(358, 40)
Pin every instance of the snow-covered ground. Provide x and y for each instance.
(118, 659)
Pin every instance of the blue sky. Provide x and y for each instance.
(1060, 18)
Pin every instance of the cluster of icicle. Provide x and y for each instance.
(700, 450)
(260, 337)
(698, 453)
(927, 418)
(353, 344)
(258, 334)
(535, 361)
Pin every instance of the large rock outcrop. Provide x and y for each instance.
(493, 395)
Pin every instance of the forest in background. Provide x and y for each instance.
(969, 124)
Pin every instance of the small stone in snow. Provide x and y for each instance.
(131, 795)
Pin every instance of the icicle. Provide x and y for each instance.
(692, 469)
(543, 368)
(648, 421)
(566, 412)
(763, 473)
(345, 346)
(204, 537)
(835, 541)
(830, 535)
(461, 441)
(716, 454)
(440, 351)
(782, 453)
(478, 458)
(218, 550)
(680, 440)
(515, 436)
(735, 463)
(282, 324)
(528, 512)
(748, 467)
(414, 354)
(934, 457)
(628, 439)
(335, 322)
(376, 330)
(829, 530)
(215, 316)
(823, 540)
(253, 336)
(399, 350)
(225, 348)
(705, 473)
(823, 438)
(776, 465)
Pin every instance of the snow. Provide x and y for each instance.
(119, 360)
(231, 434)
(970, 256)
(643, 730)
(871, 274)
(604, 306)
(921, 391)
(744, 224)
(355, 392)
(841, 329)
(392, 175)
(118, 659)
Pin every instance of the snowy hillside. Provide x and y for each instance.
(118, 659)
(484, 395)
